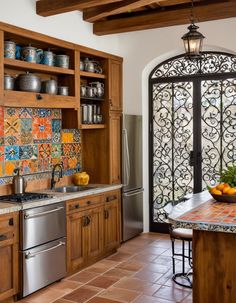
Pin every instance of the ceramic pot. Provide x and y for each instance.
(9, 49)
(29, 54)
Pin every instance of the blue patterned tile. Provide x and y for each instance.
(26, 112)
(56, 150)
(28, 152)
(26, 125)
(12, 152)
(56, 137)
(76, 135)
(56, 126)
(42, 112)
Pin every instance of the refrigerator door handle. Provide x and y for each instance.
(133, 193)
(126, 158)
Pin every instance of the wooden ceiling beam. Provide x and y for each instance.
(47, 8)
(159, 19)
(94, 14)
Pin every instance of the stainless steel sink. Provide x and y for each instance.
(72, 189)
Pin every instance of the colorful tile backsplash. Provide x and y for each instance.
(33, 139)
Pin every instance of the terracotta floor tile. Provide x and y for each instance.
(159, 268)
(153, 250)
(137, 285)
(172, 294)
(118, 294)
(82, 294)
(148, 276)
(101, 300)
(103, 281)
(62, 301)
(102, 266)
(163, 260)
(45, 295)
(83, 276)
(143, 258)
(119, 273)
(65, 286)
(162, 243)
(131, 266)
(148, 299)
(119, 256)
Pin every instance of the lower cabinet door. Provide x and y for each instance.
(76, 244)
(95, 232)
(111, 225)
(9, 269)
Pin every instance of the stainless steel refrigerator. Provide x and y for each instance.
(132, 195)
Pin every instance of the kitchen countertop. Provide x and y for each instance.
(202, 212)
(8, 207)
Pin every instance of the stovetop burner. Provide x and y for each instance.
(18, 198)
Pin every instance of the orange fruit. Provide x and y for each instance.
(220, 186)
(231, 191)
(215, 191)
(226, 189)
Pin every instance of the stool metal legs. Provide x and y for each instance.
(184, 275)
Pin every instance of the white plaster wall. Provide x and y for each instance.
(68, 26)
(142, 51)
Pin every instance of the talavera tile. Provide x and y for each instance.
(56, 150)
(11, 140)
(56, 114)
(67, 136)
(28, 152)
(11, 126)
(56, 125)
(56, 137)
(44, 164)
(26, 113)
(12, 152)
(10, 166)
(26, 137)
(42, 130)
(42, 112)
(76, 136)
(1, 122)
(11, 112)
(26, 125)
(45, 151)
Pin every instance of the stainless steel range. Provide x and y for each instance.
(42, 243)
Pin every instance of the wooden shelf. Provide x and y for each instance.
(23, 65)
(92, 75)
(92, 126)
(14, 98)
(91, 99)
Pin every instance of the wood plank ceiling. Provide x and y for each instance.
(119, 16)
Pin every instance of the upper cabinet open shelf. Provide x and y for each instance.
(83, 73)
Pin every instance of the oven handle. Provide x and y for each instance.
(28, 216)
(29, 255)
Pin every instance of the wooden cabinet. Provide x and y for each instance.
(115, 85)
(112, 220)
(115, 148)
(8, 255)
(93, 229)
(64, 76)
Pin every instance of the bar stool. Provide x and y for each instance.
(185, 235)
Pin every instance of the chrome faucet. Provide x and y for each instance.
(53, 181)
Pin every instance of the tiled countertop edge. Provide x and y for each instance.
(57, 197)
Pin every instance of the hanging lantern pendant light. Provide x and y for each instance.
(193, 40)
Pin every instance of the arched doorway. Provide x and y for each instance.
(192, 119)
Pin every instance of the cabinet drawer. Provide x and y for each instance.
(76, 205)
(111, 196)
(8, 228)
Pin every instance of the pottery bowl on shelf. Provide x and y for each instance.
(224, 198)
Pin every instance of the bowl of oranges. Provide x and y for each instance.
(225, 191)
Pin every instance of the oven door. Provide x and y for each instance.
(42, 224)
(43, 265)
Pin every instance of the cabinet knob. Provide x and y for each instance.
(77, 206)
(3, 237)
(89, 202)
(39, 97)
(11, 222)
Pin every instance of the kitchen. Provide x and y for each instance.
(137, 64)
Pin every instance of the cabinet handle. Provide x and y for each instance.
(84, 221)
(39, 97)
(89, 202)
(106, 214)
(77, 206)
(111, 198)
(89, 220)
(3, 237)
(11, 222)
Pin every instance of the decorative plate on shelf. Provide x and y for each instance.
(225, 198)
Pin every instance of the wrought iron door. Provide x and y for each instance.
(192, 127)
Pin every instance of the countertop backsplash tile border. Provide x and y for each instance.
(33, 139)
